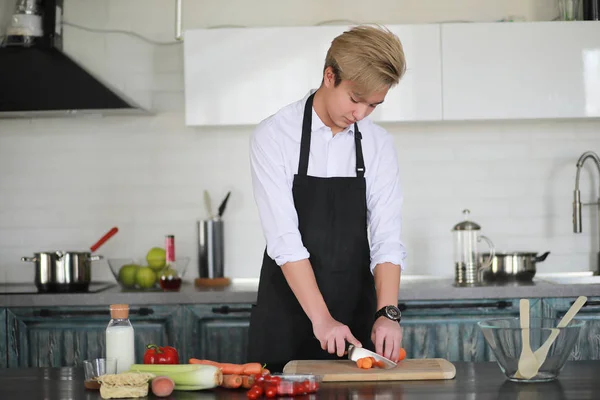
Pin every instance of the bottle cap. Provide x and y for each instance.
(119, 311)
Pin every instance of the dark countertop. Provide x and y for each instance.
(412, 288)
(474, 381)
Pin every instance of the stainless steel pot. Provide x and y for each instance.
(62, 271)
(514, 266)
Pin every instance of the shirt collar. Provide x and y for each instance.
(317, 124)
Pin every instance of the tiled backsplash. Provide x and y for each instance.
(65, 182)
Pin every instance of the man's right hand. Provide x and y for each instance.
(333, 336)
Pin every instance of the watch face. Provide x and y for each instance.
(393, 312)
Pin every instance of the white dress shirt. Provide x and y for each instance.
(274, 158)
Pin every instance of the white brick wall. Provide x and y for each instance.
(64, 182)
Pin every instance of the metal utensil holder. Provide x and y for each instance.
(211, 252)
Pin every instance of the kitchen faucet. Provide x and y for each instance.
(577, 197)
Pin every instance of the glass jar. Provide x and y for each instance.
(467, 235)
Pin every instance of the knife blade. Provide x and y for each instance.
(356, 353)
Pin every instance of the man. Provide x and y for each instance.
(325, 178)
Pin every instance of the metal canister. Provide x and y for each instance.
(210, 248)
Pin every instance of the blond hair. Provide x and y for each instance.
(372, 57)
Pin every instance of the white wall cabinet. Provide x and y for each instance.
(521, 70)
(455, 71)
(418, 97)
(239, 76)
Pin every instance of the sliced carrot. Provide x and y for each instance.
(402, 354)
(231, 381)
(364, 363)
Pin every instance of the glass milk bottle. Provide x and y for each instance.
(120, 342)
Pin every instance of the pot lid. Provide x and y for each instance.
(466, 225)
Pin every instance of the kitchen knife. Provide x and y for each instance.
(356, 353)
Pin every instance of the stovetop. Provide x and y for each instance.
(30, 288)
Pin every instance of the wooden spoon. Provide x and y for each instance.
(527, 359)
(529, 370)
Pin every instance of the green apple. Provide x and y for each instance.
(145, 277)
(156, 258)
(127, 274)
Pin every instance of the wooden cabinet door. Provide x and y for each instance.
(218, 332)
(3, 339)
(449, 330)
(588, 345)
(65, 336)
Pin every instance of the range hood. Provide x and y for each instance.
(41, 80)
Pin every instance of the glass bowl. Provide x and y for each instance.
(134, 274)
(503, 335)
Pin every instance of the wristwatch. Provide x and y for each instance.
(390, 312)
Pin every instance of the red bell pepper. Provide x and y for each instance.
(160, 355)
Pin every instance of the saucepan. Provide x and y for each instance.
(66, 271)
(510, 266)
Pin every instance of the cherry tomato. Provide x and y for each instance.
(271, 391)
(299, 388)
(307, 386)
(312, 387)
(285, 387)
(252, 395)
(273, 379)
(257, 389)
(258, 378)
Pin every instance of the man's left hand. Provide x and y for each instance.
(387, 337)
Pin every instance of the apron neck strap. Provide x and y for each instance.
(360, 162)
(306, 136)
(306, 132)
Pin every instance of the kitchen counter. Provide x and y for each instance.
(578, 380)
(412, 288)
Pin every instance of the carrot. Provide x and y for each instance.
(230, 368)
(247, 381)
(203, 362)
(265, 371)
(402, 354)
(231, 381)
(252, 369)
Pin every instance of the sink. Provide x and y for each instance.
(573, 280)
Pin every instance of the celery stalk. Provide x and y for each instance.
(152, 368)
(186, 376)
(188, 388)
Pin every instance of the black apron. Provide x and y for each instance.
(332, 220)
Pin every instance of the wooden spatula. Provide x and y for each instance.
(527, 358)
(530, 369)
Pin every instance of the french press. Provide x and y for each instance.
(467, 235)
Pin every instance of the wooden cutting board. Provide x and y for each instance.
(346, 370)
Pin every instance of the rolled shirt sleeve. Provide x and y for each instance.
(273, 196)
(384, 202)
